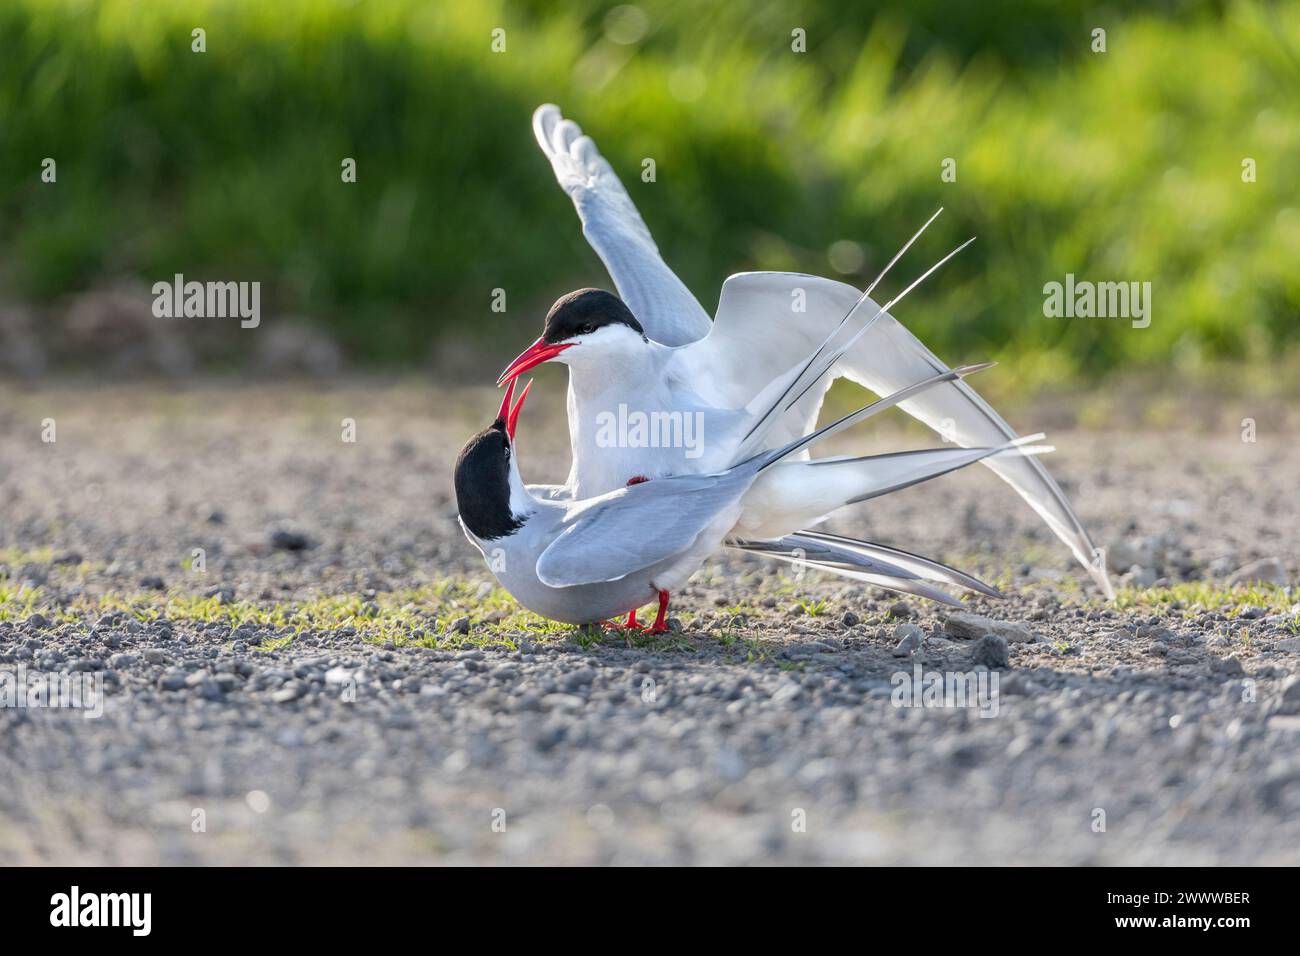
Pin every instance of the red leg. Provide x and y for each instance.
(631, 624)
(659, 626)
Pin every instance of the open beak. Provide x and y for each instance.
(535, 354)
(510, 414)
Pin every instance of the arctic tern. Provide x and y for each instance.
(653, 347)
(585, 560)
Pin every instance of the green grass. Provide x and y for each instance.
(1117, 166)
(1206, 596)
(411, 617)
(813, 608)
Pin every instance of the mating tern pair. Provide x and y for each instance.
(634, 522)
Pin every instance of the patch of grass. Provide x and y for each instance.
(814, 608)
(18, 556)
(18, 603)
(416, 616)
(274, 643)
(1205, 596)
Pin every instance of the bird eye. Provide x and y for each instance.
(587, 329)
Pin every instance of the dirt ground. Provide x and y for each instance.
(302, 659)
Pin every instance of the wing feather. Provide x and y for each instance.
(663, 305)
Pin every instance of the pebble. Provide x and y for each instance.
(991, 651)
(1266, 570)
(899, 610)
(287, 693)
(288, 539)
(1289, 699)
(909, 639)
(972, 626)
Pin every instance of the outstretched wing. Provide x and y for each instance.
(659, 300)
(607, 538)
(758, 317)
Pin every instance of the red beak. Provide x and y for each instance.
(508, 414)
(535, 354)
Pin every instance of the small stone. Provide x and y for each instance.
(155, 656)
(899, 611)
(458, 626)
(151, 582)
(224, 595)
(972, 626)
(991, 651)
(909, 637)
(1228, 666)
(1289, 702)
(1265, 570)
(786, 691)
(172, 680)
(287, 539)
(563, 702)
(289, 692)
(1290, 645)
(849, 619)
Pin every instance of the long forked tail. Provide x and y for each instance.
(770, 458)
(818, 487)
(801, 494)
(888, 357)
(866, 562)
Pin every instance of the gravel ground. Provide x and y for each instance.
(336, 680)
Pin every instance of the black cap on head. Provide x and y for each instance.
(483, 484)
(585, 311)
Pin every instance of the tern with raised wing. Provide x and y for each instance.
(653, 348)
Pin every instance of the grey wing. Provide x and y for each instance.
(607, 538)
(756, 307)
(613, 227)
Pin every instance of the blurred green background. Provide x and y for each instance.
(1122, 165)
